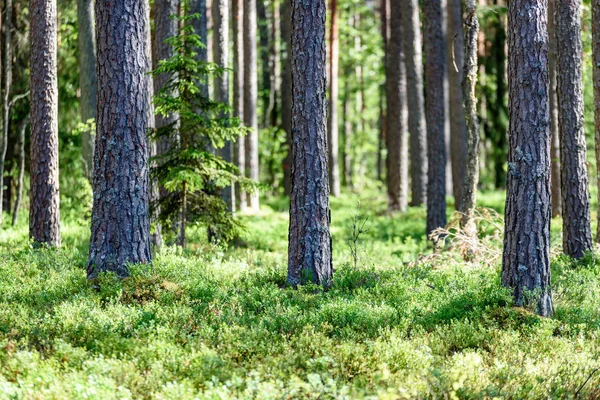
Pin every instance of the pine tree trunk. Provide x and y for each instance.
(470, 112)
(263, 55)
(347, 156)
(286, 91)
(397, 137)
(221, 55)
(44, 208)
(309, 236)
(250, 97)
(526, 258)
(120, 232)
(20, 179)
(332, 122)
(275, 65)
(458, 126)
(6, 89)
(88, 85)
(434, 114)
(596, 70)
(577, 234)
(555, 146)
(201, 29)
(416, 104)
(239, 151)
(447, 130)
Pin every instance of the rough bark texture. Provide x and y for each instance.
(88, 86)
(577, 233)
(22, 129)
(526, 258)
(596, 70)
(416, 104)
(120, 232)
(44, 209)
(434, 114)
(239, 151)
(555, 145)
(286, 90)
(309, 236)
(397, 137)
(469, 191)
(6, 89)
(332, 122)
(250, 97)
(458, 126)
(221, 58)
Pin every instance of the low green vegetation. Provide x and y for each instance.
(221, 323)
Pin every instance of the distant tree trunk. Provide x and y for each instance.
(396, 114)
(286, 90)
(434, 113)
(416, 103)
(221, 58)
(201, 29)
(447, 130)
(6, 89)
(555, 146)
(526, 258)
(458, 126)
(309, 236)
(385, 35)
(470, 111)
(275, 65)
(332, 126)
(577, 233)
(120, 232)
(239, 151)
(22, 131)
(596, 70)
(347, 156)
(263, 55)
(251, 96)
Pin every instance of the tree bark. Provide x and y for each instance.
(44, 208)
(596, 71)
(120, 232)
(275, 65)
(526, 257)
(86, 36)
(458, 126)
(201, 29)
(397, 137)
(416, 108)
(250, 97)
(309, 236)
(555, 145)
(434, 114)
(577, 233)
(6, 89)
(262, 22)
(22, 129)
(332, 122)
(286, 91)
(239, 151)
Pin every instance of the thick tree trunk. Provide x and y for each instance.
(44, 208)
(397, 137)
(416, 108)
(6, 89)
(22, 129)
(332, 122)
(221, 58)
(309, 236)
(239, 151)
(86, 35)
(286, 91)
(120, 217)
(596, 71)
(470, 111)
(458, 126)
(577, 233)
(555, 146)
(434, 114)
(526, 258)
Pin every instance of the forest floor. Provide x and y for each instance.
(215, 323)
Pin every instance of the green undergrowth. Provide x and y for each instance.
(221, 323)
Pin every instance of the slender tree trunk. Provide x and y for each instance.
(201, 29)
(309, 236)
(577, 233)
(470, 111)
(385, 35)
(88, 86)
(6, 89)
(555, 146)
(286, 91)
(396, 114)
(526, 258)
(596, 70)
(332, 126)
(416, 103)
(458, 126)
(263, 55)
(22, 129)
(434, 114)
(275, 65)
(120, 232)
(347, 157)
(251, 96)
(447, 130)
(239, 151)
